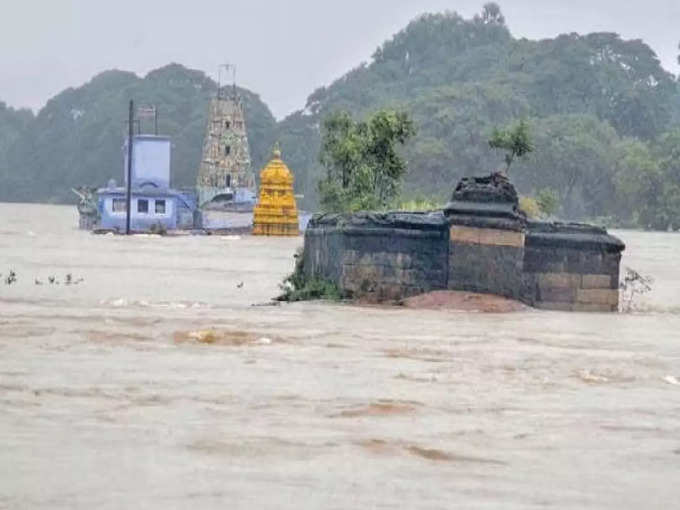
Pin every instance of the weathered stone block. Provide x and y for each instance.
(404, 260)
(464, 235)
(491, 236)
(598, 296)
(596, 281)
(501, 238)
(548, 280)
(486, 268)
(544, 260)
(557, 294)
(350, 257)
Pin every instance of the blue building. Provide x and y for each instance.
(154, 204)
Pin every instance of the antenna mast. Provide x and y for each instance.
(226, 67)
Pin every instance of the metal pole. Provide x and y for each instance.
(128, 196)
(233, 68)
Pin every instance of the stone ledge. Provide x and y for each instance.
(580, 237)
(374, 231)
(499, 223)
(404, 220)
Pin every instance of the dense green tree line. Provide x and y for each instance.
(602, 113)
(76, 138)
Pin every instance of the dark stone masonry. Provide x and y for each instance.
(480, 242)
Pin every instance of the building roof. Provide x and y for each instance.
(146, 191)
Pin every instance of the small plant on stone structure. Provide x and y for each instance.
(633, 284)
(515, 140)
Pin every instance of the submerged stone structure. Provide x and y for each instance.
(276, 211)
(481, 242)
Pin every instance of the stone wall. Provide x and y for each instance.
(571, 267)
(379, 257)
(480, 242)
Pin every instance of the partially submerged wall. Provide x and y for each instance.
(481, 242)
(377, 256)
(571, 267)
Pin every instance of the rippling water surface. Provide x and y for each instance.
(109, 399)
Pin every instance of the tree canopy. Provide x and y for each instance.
(514, 140)
(363, 168)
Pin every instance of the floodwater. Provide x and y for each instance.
(111, 397)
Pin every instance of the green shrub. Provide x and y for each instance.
(296, 287)
(530, 207)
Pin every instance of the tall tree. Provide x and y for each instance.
(363, 166)
(491, 15)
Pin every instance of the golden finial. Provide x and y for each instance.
(276, 153)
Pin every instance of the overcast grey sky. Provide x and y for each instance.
(283, 49)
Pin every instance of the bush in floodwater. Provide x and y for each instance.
(297, 287)
(633, 284)
(158, 229)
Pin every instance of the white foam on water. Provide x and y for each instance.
(671, 379)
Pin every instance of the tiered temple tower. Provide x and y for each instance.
(225, 167)
(276, 212)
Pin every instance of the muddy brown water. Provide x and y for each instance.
(109, 399)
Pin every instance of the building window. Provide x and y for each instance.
(227, 124)
(142, 206)
(227, 150)
(118, 205)
(160, 206)
(228, 180)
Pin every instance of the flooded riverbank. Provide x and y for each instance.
(110, 400)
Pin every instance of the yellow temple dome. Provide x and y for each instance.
(276, 172)
(276, 212)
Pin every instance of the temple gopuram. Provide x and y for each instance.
(225, 173)
(276, 212)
